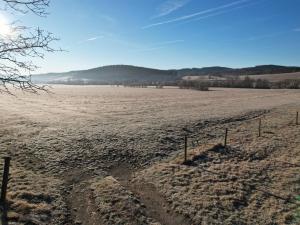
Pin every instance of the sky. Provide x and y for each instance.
(168, 34)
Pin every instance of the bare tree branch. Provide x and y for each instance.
(37, 7)
(23, 44)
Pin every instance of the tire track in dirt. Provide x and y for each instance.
(84, 211)
(81, 203)
(156, 205)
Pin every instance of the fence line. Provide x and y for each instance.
(226, 136)
(265, 190)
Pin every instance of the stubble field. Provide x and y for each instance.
(82, 155)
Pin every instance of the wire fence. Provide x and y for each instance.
(226, 144)
(191, 142)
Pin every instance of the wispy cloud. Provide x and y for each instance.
(158, 46)
(168, 43)
(297, 29)
(197, 14)
(95, 38)
(91, 39)
(169, 6)
(223, 11)
(209, 15)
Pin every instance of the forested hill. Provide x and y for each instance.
(125, 73)
(111, 74)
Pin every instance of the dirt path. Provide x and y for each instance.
(83, 206)
(79, 198)
(83, 209)
(156, 205)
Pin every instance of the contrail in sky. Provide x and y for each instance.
(186, 17)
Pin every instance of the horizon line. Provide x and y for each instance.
(180, 68)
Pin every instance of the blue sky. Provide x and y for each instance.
(171, 33)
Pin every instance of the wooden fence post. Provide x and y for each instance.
(259, 128)
(5, 180)
(225, 141)
(185, 148)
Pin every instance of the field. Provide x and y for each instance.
(269, 77)
(277, 77)
(113, 155)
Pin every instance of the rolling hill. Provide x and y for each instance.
(110, 74)
(126, 74)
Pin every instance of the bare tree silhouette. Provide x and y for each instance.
(21, 45)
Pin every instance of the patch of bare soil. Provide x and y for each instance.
(82, 203)
(156, 206)
(79, 198)
(115, 204)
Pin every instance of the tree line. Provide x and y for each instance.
(201, 85)
(247, 82)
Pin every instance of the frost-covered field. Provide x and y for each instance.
(61, 142)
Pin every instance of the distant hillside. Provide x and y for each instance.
(265, 69)
(111, 74)
(225, 71)
(124, 73)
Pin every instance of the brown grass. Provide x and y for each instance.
(254, 181)
(60, 143)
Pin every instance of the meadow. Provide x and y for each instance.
(82, 155)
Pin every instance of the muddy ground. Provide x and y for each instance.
(68, 147)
